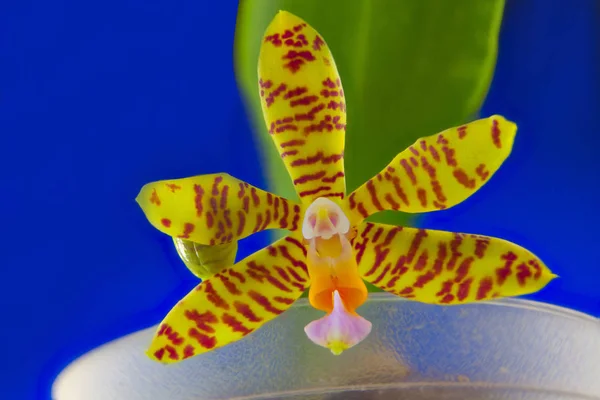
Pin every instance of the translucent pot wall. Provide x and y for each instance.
(510, 349)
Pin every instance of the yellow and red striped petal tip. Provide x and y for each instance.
(233, 303)
(446, 268)
(303, 105)
(438, 171)
(214, 209)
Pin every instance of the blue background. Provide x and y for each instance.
(98, 98)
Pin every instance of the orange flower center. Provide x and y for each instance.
(331, 262)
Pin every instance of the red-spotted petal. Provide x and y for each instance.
(303, 106)
(233, 303)
(438, 171)
(446, 268)
(214, 209)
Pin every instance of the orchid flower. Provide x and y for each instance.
(330, 249)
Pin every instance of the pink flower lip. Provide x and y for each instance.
(340, 329)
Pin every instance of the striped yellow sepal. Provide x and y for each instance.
(438, 171)
(446, 268)
(214, 209)
(303, 106)
(233, 303)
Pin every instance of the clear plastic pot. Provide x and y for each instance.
(509, 349)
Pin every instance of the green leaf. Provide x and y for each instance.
(410, 68)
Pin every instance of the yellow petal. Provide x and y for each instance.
(438, 171)
(446, 268)
(204, 260)
(214, 209)
(233, 303)
(303, 106)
